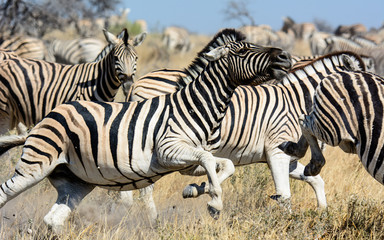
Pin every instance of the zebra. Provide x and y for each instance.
(300, 30)
(347, 112)
(176, 39)
(324, 43)
(30, 88)
(375, 54)
(143, 141)
(245, 139)
(26, 47)
(264, 35)
(350, 30)
(6, 54)
(75, 51)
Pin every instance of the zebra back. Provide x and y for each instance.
(26, 47)
(76, 51)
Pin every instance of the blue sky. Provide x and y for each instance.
(207, 16)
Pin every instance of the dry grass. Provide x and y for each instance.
(354, 197)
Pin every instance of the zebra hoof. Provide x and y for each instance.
(215, 214)
(275, 197)
(190, 191)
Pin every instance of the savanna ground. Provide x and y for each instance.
(355, 199)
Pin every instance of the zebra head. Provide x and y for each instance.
(252, 64)
(125, 56)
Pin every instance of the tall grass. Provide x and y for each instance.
(355, 199)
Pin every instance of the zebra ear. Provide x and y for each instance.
(110, 37)
(216, 53)
(139, 39)
(352, 64)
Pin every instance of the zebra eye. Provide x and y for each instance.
(241, 51)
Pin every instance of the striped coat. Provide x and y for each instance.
(29, 88)
(259, 119)
(348, 112)
(142, 141)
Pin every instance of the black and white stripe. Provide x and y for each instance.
(372, 55)
(126, 146)
(75, 51)
(26, 47)
(261, 118)
(348, 111)
(31, 88)
(165, 81)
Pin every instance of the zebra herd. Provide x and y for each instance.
(237, 103)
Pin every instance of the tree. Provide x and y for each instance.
(238, 10)
(37, 17)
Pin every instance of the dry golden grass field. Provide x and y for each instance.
(355, 199)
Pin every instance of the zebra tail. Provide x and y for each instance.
(11, 141)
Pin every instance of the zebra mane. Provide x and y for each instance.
(199, 63)
(300, 69)
(304, 63)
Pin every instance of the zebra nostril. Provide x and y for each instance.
(284, 56)
(126, 78)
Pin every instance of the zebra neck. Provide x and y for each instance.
(193, 71)
(106, 81)
(211, 93)
(198, 65)
(107, 49)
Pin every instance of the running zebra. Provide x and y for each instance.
(142, 141)
(26, 47)
(348, 112)
(30, 88)
(260, 119)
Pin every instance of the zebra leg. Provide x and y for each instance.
(71, 190)
(279, 162)
(209, 163)
(126, 197)
(146, 194)
(10, 141)
(317, 159)
(27, 174)
(296, 171)
(295, 149)
(22, 129)
(5, 123)
(194, 190)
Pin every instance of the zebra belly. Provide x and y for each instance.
(243, 155)
(124, 174)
